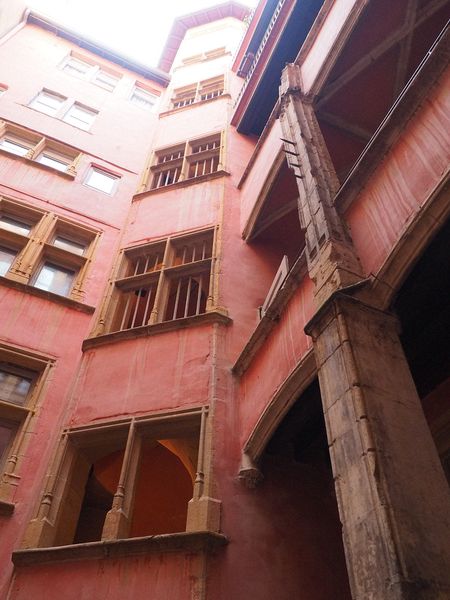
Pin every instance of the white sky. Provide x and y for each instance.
(136, 28)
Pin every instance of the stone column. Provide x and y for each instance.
(394, 501)
(332, 262)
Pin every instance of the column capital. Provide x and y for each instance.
(353, 295)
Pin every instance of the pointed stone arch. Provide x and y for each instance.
(298, 380)
(413, 241)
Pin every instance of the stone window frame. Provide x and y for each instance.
(55, 507)
(39, 366)
(194, 93)
(36, 248)
(175, 161)
(161, 279)
(37, 146)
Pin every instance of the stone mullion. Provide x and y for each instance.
(161, 287)
(118, 519)
(393, 499)
(23, 266)
(204, 509)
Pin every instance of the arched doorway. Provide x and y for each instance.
(298, 476)
(422, 305)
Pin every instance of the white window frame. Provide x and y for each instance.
(142, 94)
(92, 72)
(107, 174)
(73, 59)
(35, 102)
(97, 80)
(68, 115)
(16, 141)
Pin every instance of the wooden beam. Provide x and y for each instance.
(379, 50)
(358, 132)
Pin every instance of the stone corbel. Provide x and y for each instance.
(249, 473)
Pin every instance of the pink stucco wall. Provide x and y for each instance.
(404, 180)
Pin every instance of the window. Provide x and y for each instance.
(58, 106)
(199, 92)
(211, 88)
(48, 102)
(169, 166)
(187, 161)
(7, 257)
(57, 254)
(143, 98)
(15, 387)
(85, 69)
(184, 96)
(58, 161)
(136, 477)
(77, 67)
(101, 180)
(54, 278)
(105, 80)
(21, 378)
(22, 142)
(15, 145)
(163, 281)
(80, 116)
(71, 245)
(14, 225)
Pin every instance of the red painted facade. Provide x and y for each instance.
(283, 538)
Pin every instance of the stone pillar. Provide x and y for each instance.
(332, 262)
(394, 501)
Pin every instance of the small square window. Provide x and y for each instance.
(70, 245)
(14, 225)
(7, 257)
(54, 278)
(15, 146)
(47, 102)
(60, 164)
(101, 180)
(143, 98)
(80, 116)
(74, 66)
(105, 80)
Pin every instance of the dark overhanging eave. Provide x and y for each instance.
(261, 27)
(265, 95)
(96, 47)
